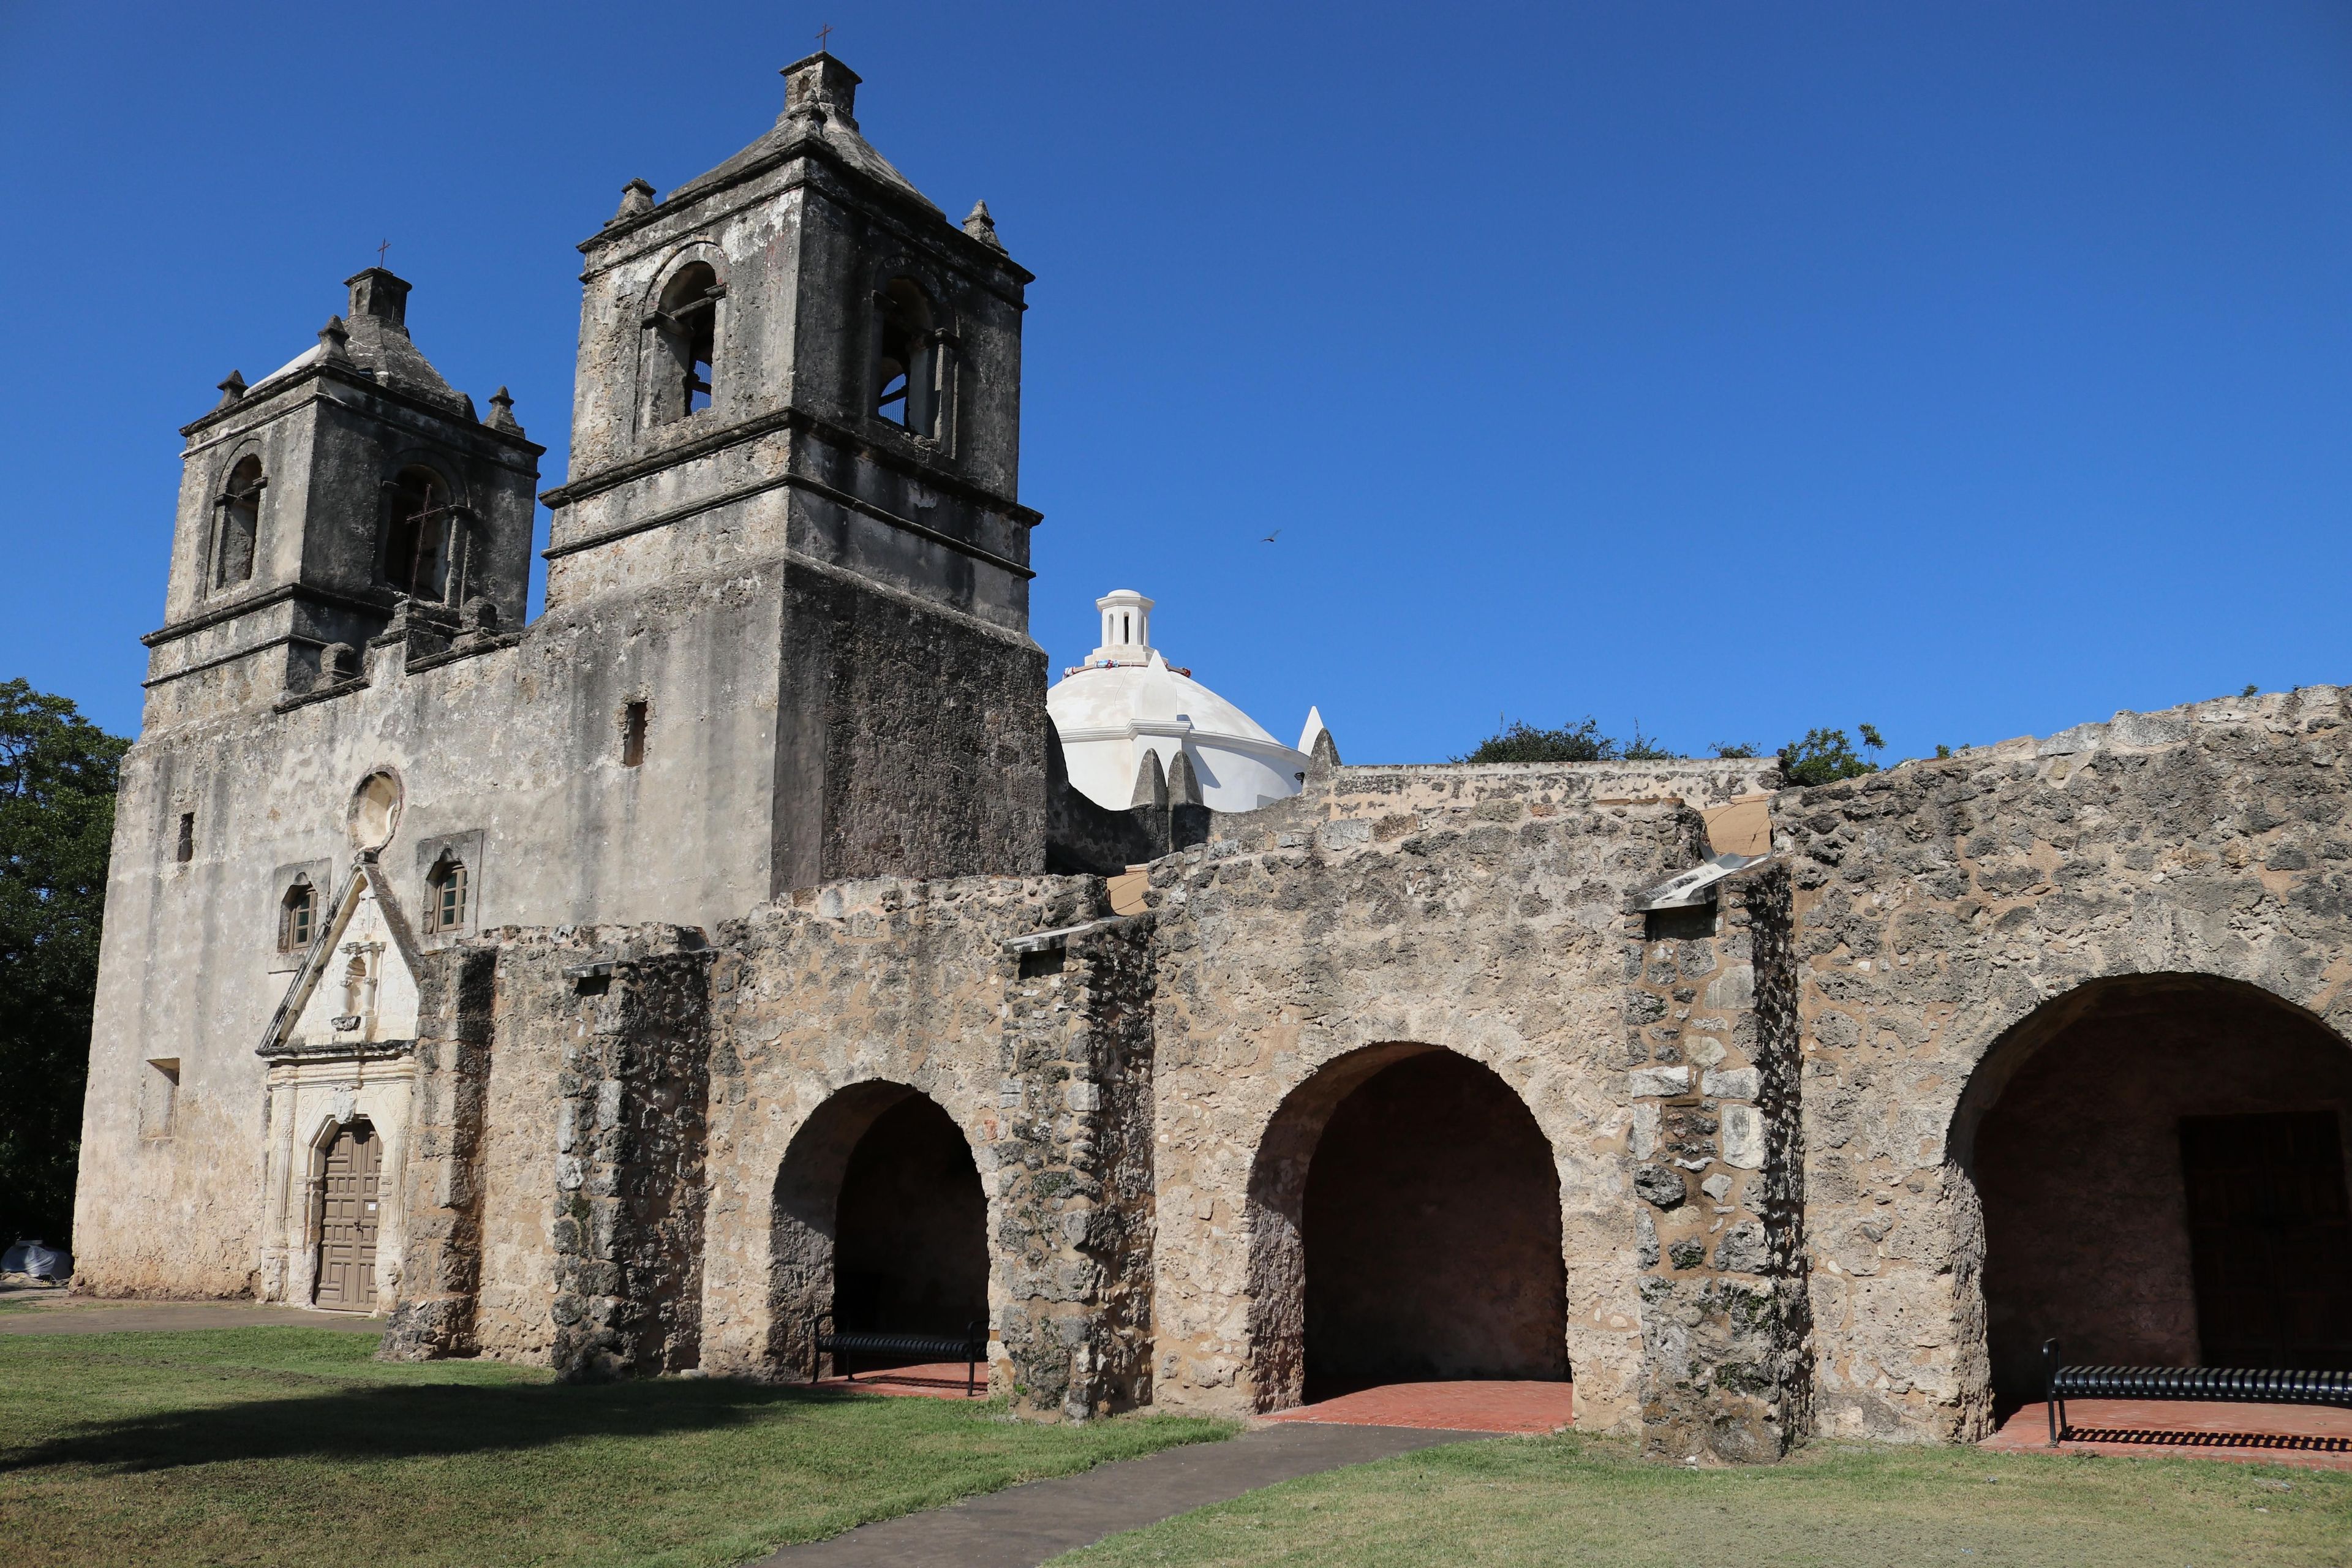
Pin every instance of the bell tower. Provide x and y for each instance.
(323, 499)
(798, 352)
(795, 370)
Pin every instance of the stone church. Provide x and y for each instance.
(727, 955)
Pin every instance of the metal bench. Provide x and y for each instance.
(2251, 1386)
(971, 1348)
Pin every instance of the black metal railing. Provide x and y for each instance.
(2252, 1386)
(971, 1348)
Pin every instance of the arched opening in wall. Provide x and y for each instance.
(685, 334)
(419, 528)
(2160, 1165)
(1405, 1227)
(906, 360)
(350, 1178)
(240, 524)
(880, 1226)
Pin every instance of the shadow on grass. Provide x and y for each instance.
(412, 1421)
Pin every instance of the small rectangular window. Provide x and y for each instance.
(633, 735)
(187, 848)
(444, 896)
(159, 1096)
(297, 914)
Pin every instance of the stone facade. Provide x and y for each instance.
(1725, 1099)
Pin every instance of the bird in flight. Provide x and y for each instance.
(1269, 537)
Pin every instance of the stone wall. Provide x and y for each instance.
(1939, 908)
(1076, 1173)
(826, 1009)
(630, 1143)
(1471, 909)
(1716, 1137)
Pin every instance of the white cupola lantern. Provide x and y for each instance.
(1126, 630)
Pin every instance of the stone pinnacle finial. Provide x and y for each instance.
(502, 412)
(1323, 760)
(231, 391)
(333, 338)
(1150, 784)
(636, 200)
(1183, 783)
(981, 226)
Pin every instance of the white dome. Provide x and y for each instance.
(1124, 700)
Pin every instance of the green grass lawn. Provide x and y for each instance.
(291, 1445)
(1584, 1502)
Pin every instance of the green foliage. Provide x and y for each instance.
(2250, 691)
(1520, 742)
(1825, 756)
(1734, 749)
(57, 773)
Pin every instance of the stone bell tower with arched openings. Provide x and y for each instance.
(317, 499)
(795, 366)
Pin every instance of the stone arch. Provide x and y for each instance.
(2077, 1153)
(1310, 1337)
(879, 1221)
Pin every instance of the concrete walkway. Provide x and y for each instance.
(1023, 1526)
(58, 1313)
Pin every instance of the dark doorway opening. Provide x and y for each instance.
(1431, 1233)
(348, 1203)
(2268, 1239)
(911, 1234)
(2160, 1164)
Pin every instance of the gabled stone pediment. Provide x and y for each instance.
(356, 990)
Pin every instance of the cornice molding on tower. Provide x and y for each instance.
(768, 424)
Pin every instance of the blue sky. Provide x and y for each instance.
(1731, 369)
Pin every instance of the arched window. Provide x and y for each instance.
(417, 533)
(445, 895)
(686, 325)
(907, 368)
(298, 915)
(240, 524)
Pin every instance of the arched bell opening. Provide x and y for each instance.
(879, 1226)
(1406, 1227)
(2159, 1162)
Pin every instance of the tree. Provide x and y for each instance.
(1825, 756)
(57, 776)
(1520, 742)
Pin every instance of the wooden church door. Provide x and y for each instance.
(348, 1220)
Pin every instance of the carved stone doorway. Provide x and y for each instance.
(348, 1203)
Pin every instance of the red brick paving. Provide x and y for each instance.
(2315, 1436)
(935, 1380)
(1470, 1406)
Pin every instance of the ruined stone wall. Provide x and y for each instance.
(439, 1280)
(1475, 910)
(630, 1144)
(1715, 1137)
(1075, 1187)
(1939, 906)
(855, 988)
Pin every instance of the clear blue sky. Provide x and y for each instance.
(1974, 370)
